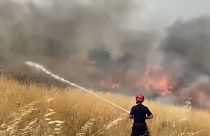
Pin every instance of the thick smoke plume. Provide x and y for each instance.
(86, 37)
(186, 49)
(90, 43)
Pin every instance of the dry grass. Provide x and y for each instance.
(37, 110)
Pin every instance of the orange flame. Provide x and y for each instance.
(156, 79)
(116, 86)
(109, 83)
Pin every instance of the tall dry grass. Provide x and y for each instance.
(34, 110)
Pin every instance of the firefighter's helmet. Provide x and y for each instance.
(140, 98)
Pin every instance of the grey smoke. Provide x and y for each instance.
(84, 41)
(89, 41)
(187, 49)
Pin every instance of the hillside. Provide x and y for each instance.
(34, 110)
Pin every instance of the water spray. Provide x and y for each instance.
(42, 68)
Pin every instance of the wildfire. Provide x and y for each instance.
(156, 79)
(109, 83)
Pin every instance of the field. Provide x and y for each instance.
(34, 110)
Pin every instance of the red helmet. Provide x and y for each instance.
(140, 98)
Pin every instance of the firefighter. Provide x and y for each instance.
(139, 113)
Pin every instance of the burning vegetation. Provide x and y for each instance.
(157, 79)
(88, 43)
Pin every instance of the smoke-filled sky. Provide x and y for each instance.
(160, 14)
(131, 46)
(155, 14)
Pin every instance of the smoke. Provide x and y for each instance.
(186, 49)
(86, 41)
(90, 43)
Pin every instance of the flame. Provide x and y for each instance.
(116, 86)
(109, 83)
(156, 79)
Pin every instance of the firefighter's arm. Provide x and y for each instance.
(131, 116)
(149, 117)
(149, 114)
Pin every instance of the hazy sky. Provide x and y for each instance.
(157, 14)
